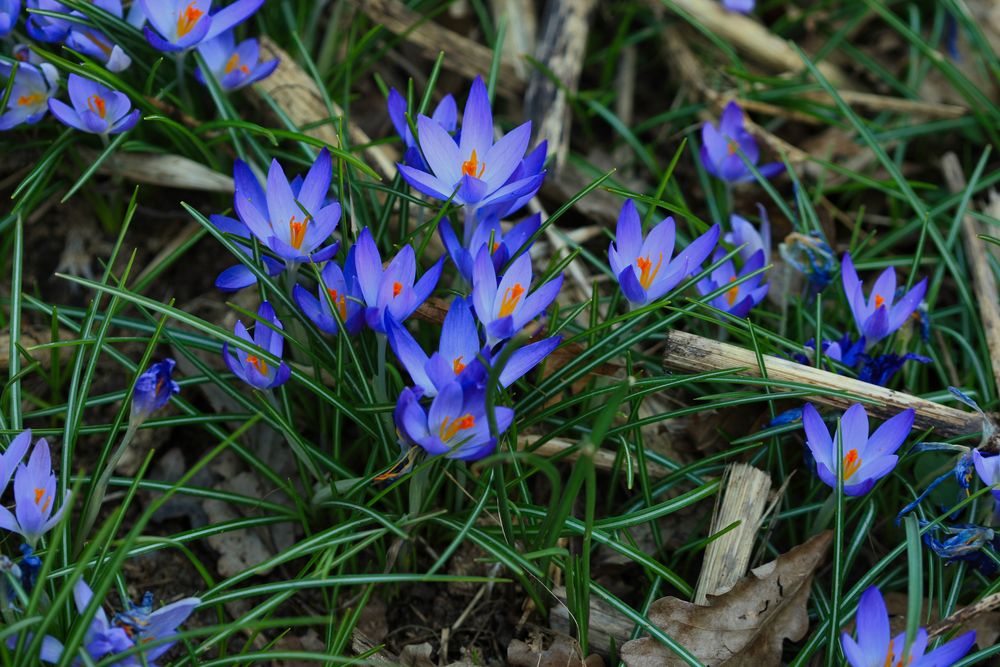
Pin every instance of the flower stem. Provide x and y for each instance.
(96, 499)
(185, 94)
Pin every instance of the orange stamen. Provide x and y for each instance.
(233, 63)
(851, 463)
(495, 247)
(732, 292)
(473, 167)
(879, 300)
(102, 45)
(258, 363)
(341, 303)
(646, 272)
(97, 105)
(39, 494)
(510, 299)
(32, 99)
(731, 147)
(188, 19)
(397, 287)
(448, 431)
(457, 365)
(298, 231)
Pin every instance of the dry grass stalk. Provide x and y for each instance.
(604, 460)
(690, 353)
(983, 280)
(744, 498)
(169, 171)
(963, 615)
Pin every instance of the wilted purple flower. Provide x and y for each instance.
(457, 357)
(34, 497)
(504, 246)
(148, 626)
(740, 298)
(239, 276)
(988, 468)
(234, 66)
(474, 169)
(96, 108)
(882, 368)
(744, 233)
(741, 6)
(248, 366)
(455, 425)
(445, 114)
(877, 317)
(864, 460)
(964, 542)
(876, 647)
(29, 94)
(10, 10)
(390, 290)
(345, 298)
(506, 308)
(153, 390)
(179, 25)
(721, 146)
(292, 224)
(638, 264)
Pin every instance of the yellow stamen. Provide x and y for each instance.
(646, 271)
(732, 292)
(448, 431)
(188, 19)
(473, 167)
(457, 365)
(258, 363)
(511, 297)
(97, 105)
(851, 464)
(29, 100)
(297, 231)
(341, 303)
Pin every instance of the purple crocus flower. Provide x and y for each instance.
(445, 114)
(876, 647)
(239, 276)
(12, 457)
(292, 224)
(741, 6)
(455, 425)
(47, 28)
(506, 308)
(10, 10)
(457, 357)
(744, 233)
(29, 94)
(473, 169)
(740, 298)
(864, 460)
(504, 246)
(102, 638)
(96, 108)
(180, 25)
(148, 626)
(345, 298)
(878, 316)
(639, 264)
(390, 290)
(153, 390)
(721, 145)
(34, 497)
(251, 368)
(988, 468)
(234, 66)
(94, 43)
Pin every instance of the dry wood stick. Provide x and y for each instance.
(468, 58)
(983, 280)
(604, 459)
(963, 615)
(688, 352)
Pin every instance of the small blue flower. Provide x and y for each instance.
(29, 94)
(345, 298)
(878, 316)
(267, 336)
(507, 308)
(153, 390)
(504, 246)
(234, 66)
(721, 146)
(148, 626)
(34, 497)
(740, 298)
(96, 108)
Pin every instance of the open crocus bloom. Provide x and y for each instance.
(179, 25)
(455, 425)
(96, 108)
(34, 497)
(740, 298)
(345, 298)
(474, 169)
(234, 66)
(29, 94)
(390, 290)
(860, 460)
(877, 316)
(488, 232)
(249, 366)
(445, 114)
(293, 224)
(644, 267)
(876, 647)
(721, 147)
(506, 308)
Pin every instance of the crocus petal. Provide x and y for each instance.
(949, 653)
(817, 436)
(232, 15)
(409, 353)
(631, 287)
(428, 184)
(873, 623)
(440, 151)
(731, 122)
(525, 358)
(890, 435)
(853, 429)
(477, 122)
(905, 306)
(505, 156)
(317, 183)
(855, 656)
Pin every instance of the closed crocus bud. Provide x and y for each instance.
(153, 390)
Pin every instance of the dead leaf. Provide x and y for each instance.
(747, 625)
(564, 651)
